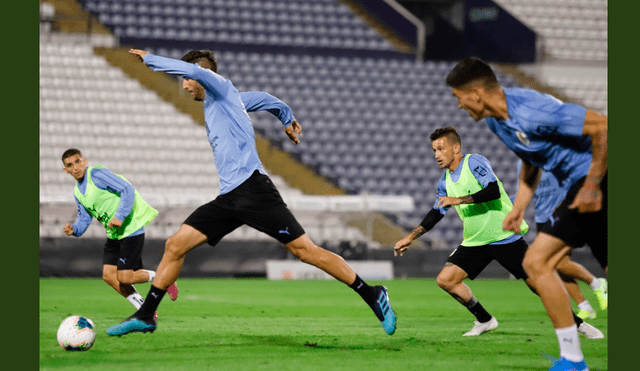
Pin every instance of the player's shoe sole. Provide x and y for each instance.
(131, 325)
(384, 312)
(173, 291)
(602, 294)
(564, 364)
(482, 327)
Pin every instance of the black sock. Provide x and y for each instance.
(367, 292)
(151, 302)
(577, 319)
(477, 310)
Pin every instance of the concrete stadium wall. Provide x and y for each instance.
(82, 257)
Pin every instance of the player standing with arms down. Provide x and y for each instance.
(112, 200)
(566, 140)
(247, 195)
(471, 187)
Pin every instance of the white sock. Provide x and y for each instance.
(569, 343)
(136, 299)
(595, 284)
(152, 275)
(586, 306)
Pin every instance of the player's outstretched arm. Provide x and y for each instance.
(430, 220)
(589, 197)
(262, 101)
(138, 53)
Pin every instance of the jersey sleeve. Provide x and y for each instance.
(481, 169)
(106, 180)
(211, 81)
(441, 192)
(261, 101)
(547, 115)
(83, 220)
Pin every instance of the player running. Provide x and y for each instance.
(112, 200)
(546, 198)
(247, 195)
(471, 187)
(566, 140)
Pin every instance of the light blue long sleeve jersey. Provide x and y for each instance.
(106, 180)
(547, 196)
(229, 127)
(545, 132)
(483, 172)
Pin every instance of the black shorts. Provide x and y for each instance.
(579, 229)
(474, 259)
(256, 203)
(125, 253)
(596, 241)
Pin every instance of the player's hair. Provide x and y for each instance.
(70, 152)
(198, 56)
(472, 70)
(450, 132)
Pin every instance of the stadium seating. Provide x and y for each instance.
(573, 41)
(87, 104)
(366, 120)
(316, 24)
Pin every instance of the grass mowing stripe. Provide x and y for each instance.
(255, 324)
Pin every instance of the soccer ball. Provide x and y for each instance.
(76, 333)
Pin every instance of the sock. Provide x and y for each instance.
(136, 299)
(595, 284)
(585, 305)
(150, 304)
(474, 306)
(577, 319)
(367, 292)
(152, 275)
(569, 343)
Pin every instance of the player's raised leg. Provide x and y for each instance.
(176, 247)
(127, 290)
(375, 296)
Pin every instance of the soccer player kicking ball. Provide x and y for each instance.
(112, 200)
(471, 187)
(247, 195)
(566, 140)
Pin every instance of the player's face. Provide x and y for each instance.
(444, 151)
(75, 166)
(469, 100)
(194, 87)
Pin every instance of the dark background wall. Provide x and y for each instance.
(82, 257)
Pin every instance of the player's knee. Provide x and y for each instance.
(533, 266)
(125, 277)
(444, 282)
(173, 248)
(110, 279)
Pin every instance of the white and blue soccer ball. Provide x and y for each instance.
(76, 333)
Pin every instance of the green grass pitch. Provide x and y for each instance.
(255, 324)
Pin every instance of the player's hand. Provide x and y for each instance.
(588, 199)
(448, 201)
(401, 246)
(512, 221)
(293, 131)
(138, 53)
(68, 229)
(114, 223)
